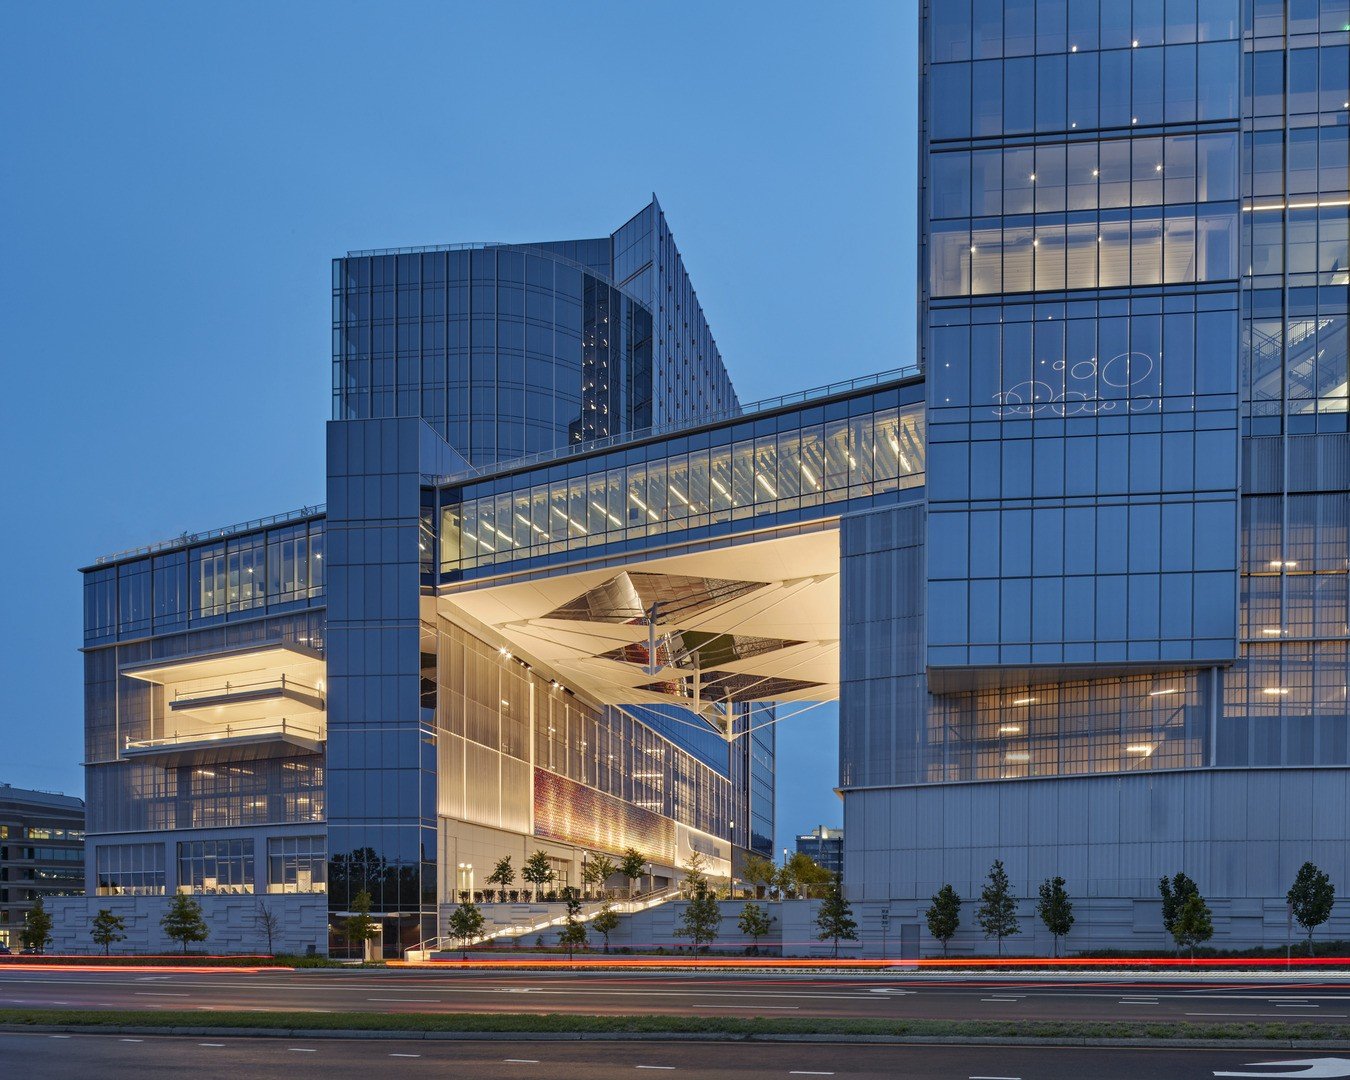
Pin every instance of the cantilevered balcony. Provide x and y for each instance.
(238, 705)
(246, 741)
(196, 698)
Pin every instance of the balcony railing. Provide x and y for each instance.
(222, 693)
(283, 727)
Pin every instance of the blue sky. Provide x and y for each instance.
(176, 177)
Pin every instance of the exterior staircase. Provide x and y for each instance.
(522, 922)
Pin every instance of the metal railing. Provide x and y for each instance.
(740, 412)
(230, 731)
(186, 538)
(589, 911)
(227, 688)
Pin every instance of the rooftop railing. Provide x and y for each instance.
(741, 412)
(183, 539)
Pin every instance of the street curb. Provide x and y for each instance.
(671, 1036)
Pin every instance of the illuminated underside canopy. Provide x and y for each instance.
(752, 622)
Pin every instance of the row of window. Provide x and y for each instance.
(1109, 174)
(168, 592)
(980, 29)
(1118, 249)
(1123, 88)
(809, 466)
(1081, 365)
(294, 864)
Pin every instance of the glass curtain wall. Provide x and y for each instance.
(1285, 702)
(808, 462)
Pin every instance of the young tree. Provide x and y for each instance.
(754, 924)
(632, 866)
(183, 921)
(997, 913)
(805, 876)
(834, 920)
(106, 929)
(1174, 896)
(1055, 909)
(695, 874)
(1193, 925)
(944, 916)
(360, 927)
(466, 922)
(760, 873)
(538, 871)
(599, 869)
(572, 936)
(503, 875)
(269, 922)
(1311, 899)
(37, 927)
(606, 921)
(701, 917)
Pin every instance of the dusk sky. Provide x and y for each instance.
(176, 179)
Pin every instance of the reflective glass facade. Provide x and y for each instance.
(1131, 556)
(798, 465)
(1083, 418)
(506, 350)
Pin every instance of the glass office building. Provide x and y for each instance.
(1129, 578)
(289, 708)
(41, 854)
(1078, 576)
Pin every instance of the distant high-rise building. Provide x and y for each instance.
(825, 846)
(41, 853)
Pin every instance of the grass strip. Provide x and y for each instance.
(673, 1025)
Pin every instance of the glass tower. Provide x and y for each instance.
(1133, 556)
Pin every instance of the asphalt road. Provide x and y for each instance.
(40, 1057)
(906, 997)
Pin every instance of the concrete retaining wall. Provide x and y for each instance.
(231, 920)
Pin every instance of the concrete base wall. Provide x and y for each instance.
(792, 930)
(1241, 834)
(231, 920)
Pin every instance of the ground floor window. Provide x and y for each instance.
(130, 869)
(297, 864)
(215, 866)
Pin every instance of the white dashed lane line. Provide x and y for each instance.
(406, 1055)
(301, 1050)
(670, 1067)
(521, 1061)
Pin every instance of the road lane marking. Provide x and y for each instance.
(521, 1061)
(670, 1067)
(216, 1045)
(808, 1072)
(58, 1036)
(157, 993)
(301, 1050)
(995, 1078)
(766, 1008)
(131, 1040)
(1263, 1016)
(406, 1055)
(410, 1001)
